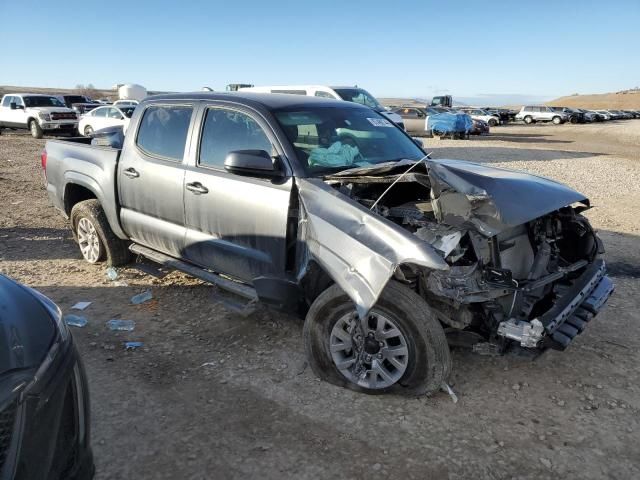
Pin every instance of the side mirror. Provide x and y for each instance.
(420, 114)
(13, 105)
(251, 163)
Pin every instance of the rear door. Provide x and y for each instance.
(236, 225)
(151, 176)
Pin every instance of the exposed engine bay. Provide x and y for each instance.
(504, 282)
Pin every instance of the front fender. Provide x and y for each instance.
(358, 249)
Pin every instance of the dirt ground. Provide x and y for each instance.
(213, 394)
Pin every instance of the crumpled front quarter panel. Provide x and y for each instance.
(357, 248)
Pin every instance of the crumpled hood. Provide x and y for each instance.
(493, 199)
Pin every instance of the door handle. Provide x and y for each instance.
(131, 173)
(197, 188)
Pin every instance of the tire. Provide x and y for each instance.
(573, 120)
(492, 122)
(427, 363)
(88, 220)
(528, 119)
(88, 130)
(34, 128)
(556, 120)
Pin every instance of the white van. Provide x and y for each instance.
(349, 94)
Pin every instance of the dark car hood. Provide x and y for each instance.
(494, 199)
(26, 328)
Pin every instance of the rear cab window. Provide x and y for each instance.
(163, 131)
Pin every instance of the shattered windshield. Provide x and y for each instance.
(42, 102)
(330, 139)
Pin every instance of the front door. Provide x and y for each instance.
(236, 225)
(151, 177)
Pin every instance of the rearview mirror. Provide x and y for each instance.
(256, 163)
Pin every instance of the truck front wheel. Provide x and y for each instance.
(95, 238)
(36, 131)
(399, 346)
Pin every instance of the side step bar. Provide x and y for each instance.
(237, 288)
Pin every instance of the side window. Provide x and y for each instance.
(6, 102)
(18, 100)
(100, 112)
(114, 113)
(324, 94)
(163, 130)
(225, 131)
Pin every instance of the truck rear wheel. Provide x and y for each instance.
(95, 238)
(400, 345)
(36, 131)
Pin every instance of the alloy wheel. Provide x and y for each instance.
(370, 352)
(88, 240)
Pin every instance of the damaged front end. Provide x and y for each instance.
(503, 256)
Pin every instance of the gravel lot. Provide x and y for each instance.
(213, 394)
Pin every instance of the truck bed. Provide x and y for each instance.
(75, 167)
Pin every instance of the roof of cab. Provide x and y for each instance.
(270, 101)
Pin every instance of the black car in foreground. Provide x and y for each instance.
(44, 401)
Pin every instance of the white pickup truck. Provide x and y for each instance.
(38, 113)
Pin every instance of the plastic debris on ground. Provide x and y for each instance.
(75, 320)
(141, 297)
(121, 325)
(132, 345)
(81, 305)
(112, 273)
(446, 388)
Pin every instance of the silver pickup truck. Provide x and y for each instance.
(328, 209)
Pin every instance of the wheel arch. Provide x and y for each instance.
(79, 187)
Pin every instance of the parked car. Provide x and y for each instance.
(349, 94)
(612, 114)
(621, 115)
(79, 103)
(103, 117)
(590, 116)
(479, 114)
(632, 113)
(542, 113)
(37, 113)
(415, 118)
(602, 114)
(321, 206)
(504, 114)
(44, 400)
(575, 116)
(480, 127)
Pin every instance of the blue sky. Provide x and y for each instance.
(537, 49)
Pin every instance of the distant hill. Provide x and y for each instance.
(100, 93)
(4, 89)
(626, 99)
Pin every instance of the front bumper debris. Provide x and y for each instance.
(576, 306)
